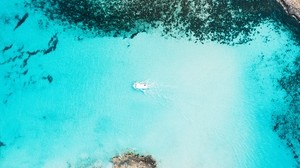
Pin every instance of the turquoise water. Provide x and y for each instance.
(211, 104)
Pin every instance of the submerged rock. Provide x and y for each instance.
(132, 160)
(21, 21)
(1, 144)
(291, 7)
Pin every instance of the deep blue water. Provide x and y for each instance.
(210, 104)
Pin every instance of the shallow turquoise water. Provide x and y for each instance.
(210, 105)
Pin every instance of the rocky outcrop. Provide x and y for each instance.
(132, 160)
(291, 7)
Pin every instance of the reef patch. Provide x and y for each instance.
(229, 22)
(287, 124)
(17, 59)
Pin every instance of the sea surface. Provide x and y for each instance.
(67, 96)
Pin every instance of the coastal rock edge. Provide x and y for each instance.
(291, 7)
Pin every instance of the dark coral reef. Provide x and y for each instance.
(287, 125)
(229, 21)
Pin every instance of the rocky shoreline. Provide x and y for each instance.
(291, 7)
(132, 160)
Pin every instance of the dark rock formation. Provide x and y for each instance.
(7, 48)
(1, 144)
(32, 53)
(132, 160)
(49, 78)
(51, 44)
(22, 20)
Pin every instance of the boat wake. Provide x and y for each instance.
(154, 90)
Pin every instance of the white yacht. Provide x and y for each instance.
(141, 86)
